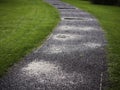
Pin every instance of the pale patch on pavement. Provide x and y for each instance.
(81, 13)
(92, 45)
(55, 49)
(47, 72)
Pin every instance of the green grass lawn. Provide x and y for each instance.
(109, 17)
(24, 24)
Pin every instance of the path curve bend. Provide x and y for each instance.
(72, 58)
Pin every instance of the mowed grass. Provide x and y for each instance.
(24, 25)
(109, 17)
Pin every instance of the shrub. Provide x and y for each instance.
(118, 3)
(106, 2)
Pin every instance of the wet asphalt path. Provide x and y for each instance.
(72, 58)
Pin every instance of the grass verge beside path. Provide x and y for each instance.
(109, 17)
(24, 24)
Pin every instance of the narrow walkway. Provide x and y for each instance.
(73, 57)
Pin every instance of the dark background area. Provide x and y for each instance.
(106, 2)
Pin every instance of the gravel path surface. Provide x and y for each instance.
(72, 58)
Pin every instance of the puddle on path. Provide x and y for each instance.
(64, 37)
(78, 28)
(77, 19)
(46, 72)
(67, 8)
(55, 49)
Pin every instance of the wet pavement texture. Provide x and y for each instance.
(72, 58)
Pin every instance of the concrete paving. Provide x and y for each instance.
(72, 58)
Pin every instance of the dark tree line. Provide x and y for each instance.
(106, 2)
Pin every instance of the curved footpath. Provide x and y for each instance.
(72, 58)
